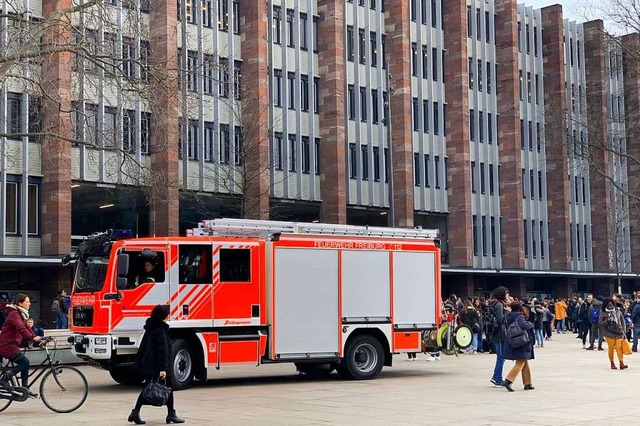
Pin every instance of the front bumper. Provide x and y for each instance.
(92, 346)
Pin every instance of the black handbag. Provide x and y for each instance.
(156, 393)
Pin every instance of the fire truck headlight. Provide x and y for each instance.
(78, 339)
(101, 341)
(101, 351)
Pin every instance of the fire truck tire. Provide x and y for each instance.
(125, 375)
(363, 360)
(315, 369)
(182, 365)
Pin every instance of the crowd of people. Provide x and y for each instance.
(511, 328)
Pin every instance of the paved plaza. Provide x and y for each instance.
(573, 387)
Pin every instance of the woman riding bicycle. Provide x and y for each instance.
(14, 331)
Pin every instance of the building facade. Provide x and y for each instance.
(503, 126)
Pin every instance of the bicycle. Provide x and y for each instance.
(63, 388)
(451, 338)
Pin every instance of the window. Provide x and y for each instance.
(434, 13)
(11, 218)
(316, 95)
(195, 264)
(145, 266)
(208, 74)
(291, 79)
(305, 154)
(541, 240)
(416, 115)
(473, 177)
(238, 146)
(277, 25)
(353, 161)
(293, 142)
(414, 59)
(315, 34)
(237, 80)
(538, 137)
(469, 23)
(478, 24)
(586, 246)
(413, 10)
(374, 106)
(571, 237)
(484, 235)
(481, 126)
(425, 61)
(145, 133)
(522, 135)
(236, 16)
(376, 164)
(489, 86)
(383, 41)
(225, 144)
(578, 245)
(491, 179)
(535, 41)
(427, 178)
(192, 140)
(528, 39)
(436, 119)
(352, 102)
(235, 265)
(277, 151)
(374, 49)
(437, 171)
(363, 104)
(350, 44)
(446, 172)
(304, 90)
(490, 127)
(539, 185)
(423, 11)
(434, 63)
(223, 15)
(317, 156)
(471, 77)
(35, 119)
(425, 116)
(472, 125)
(487, 27)
(33, 204)
(416, 169)
(493, 236)
(303, 31)
(277, 87)
(533, 239)
(291, 34)
(475, 235)
(223, 78)
(524, 184)
(482, 179)
(208, 141)
(526, 238)
(14, 114)
(479, 75)
(192, 72)
(362, 47)
(365, 162)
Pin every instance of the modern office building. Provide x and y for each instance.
(480, 118)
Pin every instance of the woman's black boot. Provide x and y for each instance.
(135, 418)
(173, 418)
(507, 384)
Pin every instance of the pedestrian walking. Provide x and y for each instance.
(521, 353)
(496, 330)
(59, 310)
(635, 320)
(152, 361)
(537, 316)
(613, 328)
(584, 322)
(596, 329)
(546, 320)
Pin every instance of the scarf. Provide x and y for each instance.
(23, 311)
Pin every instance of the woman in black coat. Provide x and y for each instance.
(152, 360)
(522, 354)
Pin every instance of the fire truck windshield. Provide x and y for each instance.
(90, 274)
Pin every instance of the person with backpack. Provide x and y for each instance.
(635, 320)
(594, 320)
(471, 318)
(519, 347)
(613, 328)
(59, 309)
(494, 321)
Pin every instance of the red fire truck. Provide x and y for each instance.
(320, 296)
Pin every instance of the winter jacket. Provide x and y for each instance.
(635, 315)
(523, 352)
(538, 317)
(594, 305)
(583, 312)
(472, 318)
(561, 310)
(612, 324)
(499, 336)
(13, 332)
(155, 349)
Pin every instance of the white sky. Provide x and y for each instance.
(571, 8)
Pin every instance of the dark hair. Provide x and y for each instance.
(500, 293)
(160, 312)
(20, 297)
(516, 307)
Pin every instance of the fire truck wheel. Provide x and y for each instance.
(182, 365)
(364, 358)
(125, 375)
(315, 369)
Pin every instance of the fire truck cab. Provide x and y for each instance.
(320, 296)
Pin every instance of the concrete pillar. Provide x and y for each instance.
(56, 148)
(508, 90)
(456, 78)
(595, 62)
(555, 98)
(255, 90)
(398, 27)
(331, 57)
(164, 122)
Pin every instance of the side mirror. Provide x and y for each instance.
(123, 265)
(121, 283)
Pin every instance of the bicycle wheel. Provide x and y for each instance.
(4, 404)
(64, 389)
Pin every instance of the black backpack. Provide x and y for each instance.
(516, 336)
(490, 321)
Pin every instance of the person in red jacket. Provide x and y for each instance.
(14, 331)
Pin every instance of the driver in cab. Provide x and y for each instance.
(147, 275)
